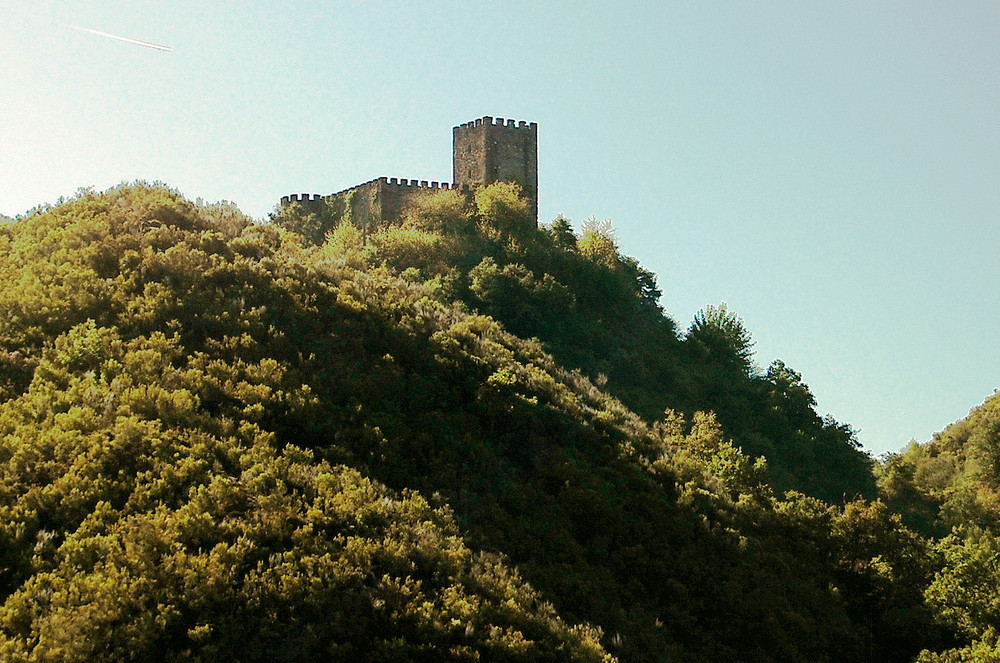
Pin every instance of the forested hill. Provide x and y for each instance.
(597, 311)
(953, 480)
(949, 489)
(461, 438)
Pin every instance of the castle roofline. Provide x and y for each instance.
(489, 120)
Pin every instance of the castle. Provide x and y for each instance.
(484, 151)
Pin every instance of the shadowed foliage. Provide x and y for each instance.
(461, 439)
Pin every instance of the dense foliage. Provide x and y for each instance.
(949, 488)
(598, 311)
(222, 439)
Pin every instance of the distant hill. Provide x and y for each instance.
(949, 488)
(953, 480)
(221, 440)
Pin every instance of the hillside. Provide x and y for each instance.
(598, 311)
(953, 480)
(949, 488)
(447, 441)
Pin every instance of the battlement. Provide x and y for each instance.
(422, 184)
(490, 121)
(312, 203)
(304, 199)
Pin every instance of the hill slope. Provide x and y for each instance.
(953, 480)
(949, 488)
(216, 437)
(598, 311)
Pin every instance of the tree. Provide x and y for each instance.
(721, 334)
(502, 212)
(597, 242)
(964, 591)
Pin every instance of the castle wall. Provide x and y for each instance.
(311, 203)
(382, 201)
(397, 195)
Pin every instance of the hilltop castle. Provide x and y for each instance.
(484, 151)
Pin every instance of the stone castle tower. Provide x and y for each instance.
(484, 151)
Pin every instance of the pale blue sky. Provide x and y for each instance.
(828, 169)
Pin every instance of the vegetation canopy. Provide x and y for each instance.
(459, 438)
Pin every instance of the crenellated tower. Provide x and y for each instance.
(488, 150)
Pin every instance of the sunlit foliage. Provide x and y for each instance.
(462, 438)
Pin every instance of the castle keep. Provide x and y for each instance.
(484, 151)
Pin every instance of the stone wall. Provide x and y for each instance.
(382, 201)
(397, 195)
(311, 203)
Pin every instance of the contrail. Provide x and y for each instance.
(127, 40)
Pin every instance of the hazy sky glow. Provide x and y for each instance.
(831, 170)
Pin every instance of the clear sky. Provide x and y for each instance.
(830, 170)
